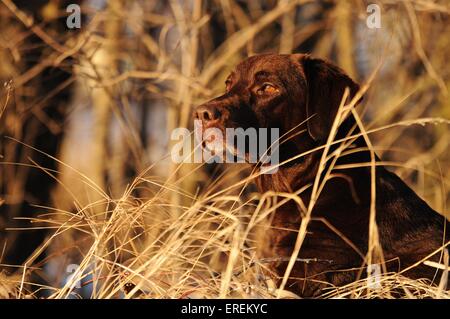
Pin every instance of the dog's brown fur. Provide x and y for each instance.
(282, 91)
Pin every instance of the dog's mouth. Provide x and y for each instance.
(236, 144)
(213, 139)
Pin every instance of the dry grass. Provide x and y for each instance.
(157, 234)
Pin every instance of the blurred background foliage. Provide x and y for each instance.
(84, 111)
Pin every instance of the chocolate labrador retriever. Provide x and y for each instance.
(301, 95)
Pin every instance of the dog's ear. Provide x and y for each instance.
(326, 85)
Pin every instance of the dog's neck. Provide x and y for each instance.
(299, 176)
(290, 176)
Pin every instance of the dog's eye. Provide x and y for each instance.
(267, 88)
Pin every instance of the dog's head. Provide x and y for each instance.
(297, 94)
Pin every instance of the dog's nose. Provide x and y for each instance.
(207, 113)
